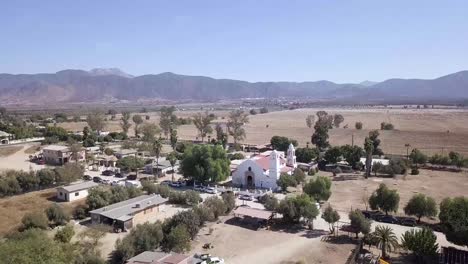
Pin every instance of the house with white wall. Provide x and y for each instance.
(74, 192)
(264, 170)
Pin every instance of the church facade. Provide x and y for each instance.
(263, 170)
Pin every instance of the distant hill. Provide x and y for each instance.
(104, 85)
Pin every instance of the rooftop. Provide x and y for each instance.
(79, 186)
(253, 212)
(151, 257)
(56, 148)
(123, 210)
(4, 134)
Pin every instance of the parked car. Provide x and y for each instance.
(204, 256)
(97, 179)
(388, 219)
(211, 190)
(105, 181)
(213, 260)
(175, 184)
(107, 173)
(119, 175)
(166, 182)
(199, 188)
(246, 197)
(408, 222)
(87, 177)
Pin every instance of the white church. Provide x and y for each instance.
(263, 170)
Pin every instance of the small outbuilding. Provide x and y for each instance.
(126, 214)
(75, 191)
(155, 257)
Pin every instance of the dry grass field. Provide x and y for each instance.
(12, 209)
(431, 130)
(349, 194)
(6, 151)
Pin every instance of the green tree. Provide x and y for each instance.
(221, 136)
(229, 200)
(56, 215)
(310, 119)
(454, 217)
(75, 149)
(34, 246)
(296, 208)
(96, 121)
(46, 177)
(319, 189)
(125, 122)
(178, 240)
(173, 138)
(384, 199)
(331, 216)
(149, 131)
(417, 157)
(306, 155)
(98, 198)
(205, 163)
(68, 173)
(337, 120)
(285, 180)
(374, 137)
(203, 124)
(299, 175)
(236, 121)
(421, 205)
(34, 220)
(270, 202)
(216, 206)
(130, 163)
(321, 127)
(422, 242)
(352, 154)
(359, 223)
(65, 234)
(172, 158)
(282, 143)
(156, 149)
(358, 125)
(167, 120)
(386, 239)
(369, 149)
(263, 110)
(138, 120)
(333, 155)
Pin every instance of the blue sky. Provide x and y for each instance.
(341, 41)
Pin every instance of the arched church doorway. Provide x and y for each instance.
(250, 181)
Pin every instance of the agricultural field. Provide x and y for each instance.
(430, 130)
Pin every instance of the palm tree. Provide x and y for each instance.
(156, 149)
(386, 239)
(172, 157)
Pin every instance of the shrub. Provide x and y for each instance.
(35, 220)
(65, 234)
(319, 189)
(358, 125)
(386, 126)
(56, 215)
(414, 171)
(269, 201)
(80, 212)
(178, 240)
(229, 200)
(286, 181)
(216, 205)
(235, 156)
(311, 172)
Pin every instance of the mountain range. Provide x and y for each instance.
(114, 85)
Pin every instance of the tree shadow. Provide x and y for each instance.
(340, 240)
(314, 233)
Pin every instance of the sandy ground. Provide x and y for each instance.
(12, 209)
(422, 128)
(347, 194)
(20, 159)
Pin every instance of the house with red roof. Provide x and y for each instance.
(263, 170)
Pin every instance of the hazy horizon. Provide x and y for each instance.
(342, 42)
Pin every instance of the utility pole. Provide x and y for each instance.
(352, 140)
(407, 150)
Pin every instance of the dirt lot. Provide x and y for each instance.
(12, 209)
(349, 194)
(422, 128)
(19, 160)
(6, 151)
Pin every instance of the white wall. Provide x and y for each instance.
(261, 178)
(70, 197)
